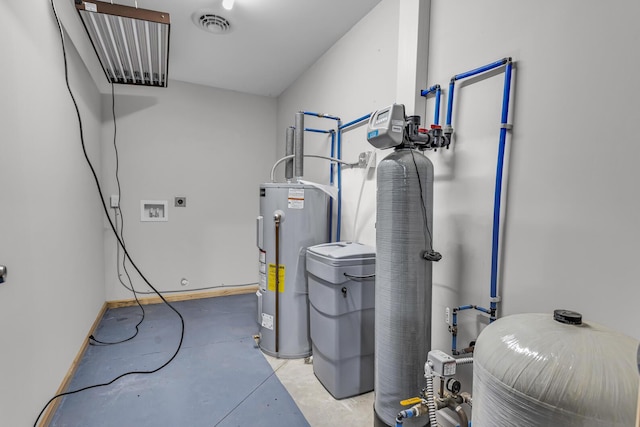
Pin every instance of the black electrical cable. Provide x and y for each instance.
(92, 339)
(118, 209)
(429, 254)
(106, 211)
(118, 212)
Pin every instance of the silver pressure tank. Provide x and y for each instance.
(403, 282)
(535, 369)
(303, 213)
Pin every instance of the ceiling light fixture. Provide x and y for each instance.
(227, 4)
(132, 44)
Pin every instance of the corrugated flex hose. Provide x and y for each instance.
(464, 361)
(431, 403)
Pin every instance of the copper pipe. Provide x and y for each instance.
(277, 217)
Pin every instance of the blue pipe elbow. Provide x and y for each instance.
(450, 101)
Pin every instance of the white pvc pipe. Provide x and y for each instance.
(364, 180)
(333, 159)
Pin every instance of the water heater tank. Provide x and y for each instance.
(284, 319)
(535, 370)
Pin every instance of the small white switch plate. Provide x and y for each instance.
(115, 201)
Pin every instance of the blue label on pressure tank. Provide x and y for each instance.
(372, 134)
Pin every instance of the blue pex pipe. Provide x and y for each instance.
(333, 136)
(339, 214)
(450, 101)
(426, 92)
(482, 69)
(339, 155)
(321, 115)
(333, 152)
(454, 343)
(317, 130)
(438, 91)
(498, 189)
(436, 114)
(466, 74)
(484, 310)
(355, 122)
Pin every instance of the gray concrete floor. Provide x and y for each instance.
(315, 402)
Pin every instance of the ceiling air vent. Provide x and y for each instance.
(212, 23)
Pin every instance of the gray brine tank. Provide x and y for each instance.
(304, 222)
(341, 279)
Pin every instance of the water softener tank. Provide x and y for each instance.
(533, 370)
(303, 221)
(403, 281)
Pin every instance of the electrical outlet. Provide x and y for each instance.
(447, 315)
(115, 201)
(363, 158)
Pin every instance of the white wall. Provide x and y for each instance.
(353, 78)
(213, 146)
(571, 232)
(569, 238)
(50, 220)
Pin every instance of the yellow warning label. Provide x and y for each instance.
(272, 278)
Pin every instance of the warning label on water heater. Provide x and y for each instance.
(272, 278)
(296, 198)
(267, 321)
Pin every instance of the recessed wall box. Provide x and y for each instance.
(154, 210)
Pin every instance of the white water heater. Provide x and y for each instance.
(292, 218)
(534, 370)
